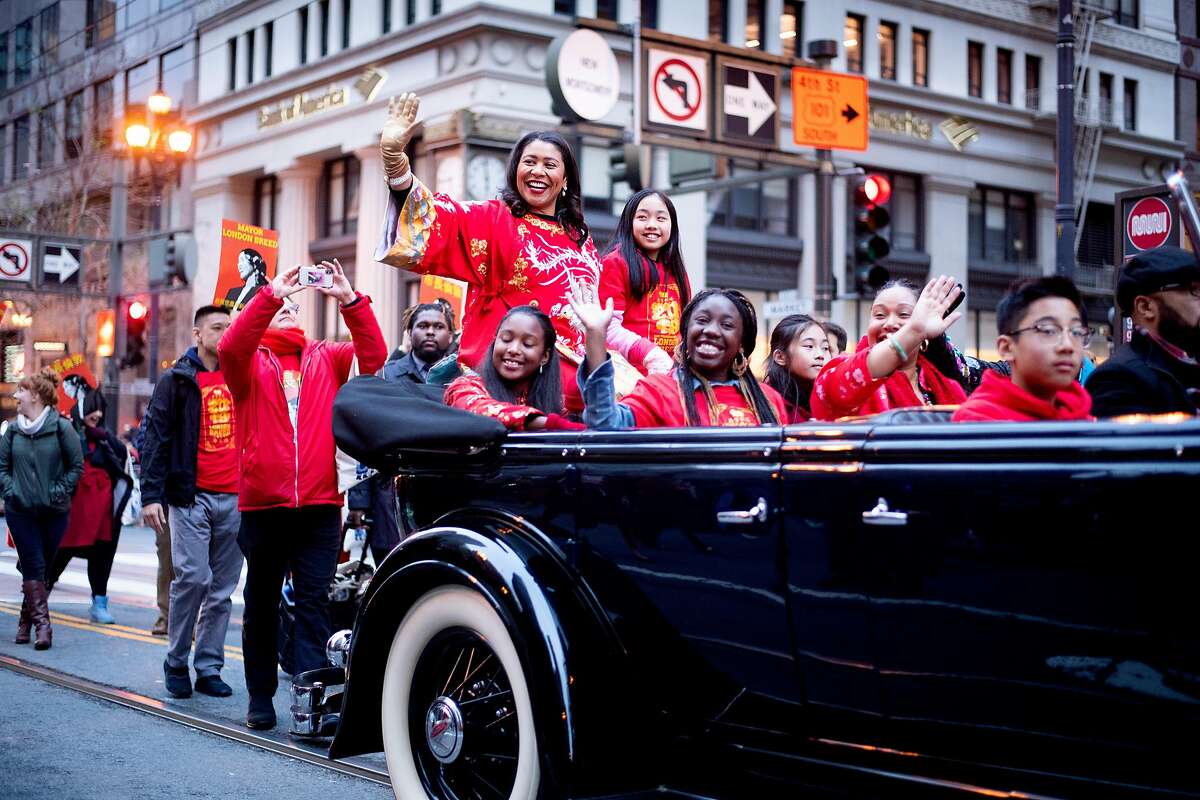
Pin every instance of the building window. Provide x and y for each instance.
(385, 13)
(47, 138)
(1004, 75)
(435, 7)
(887, 50)
(410, 12)
(269, 46)
(1033, 82)
(323, 10)
(102, 112)
(48, 33)
(101, 21)
(718, 21)
(1096, 238)
(231, 50)
(23, 51)
(345, 24)
(21, 165)
(249, 56)
(1130, 105)
(1106, 98)
(791, 29)
(920, 56)
(73, 127)
(266, 201)
(3, 60)
(606, 9)
(649, 13)
(304, 35)
(174, 67)
(564, 7)
(340, 195)
(1125, 12)
(3, 154)
(140, 81)
(767, 207)
(756, 24)
(852, 41)
(975, 69)
(1000, 225)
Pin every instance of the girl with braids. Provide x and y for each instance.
(531, 246)
(710, 385)
(799, 348)
(519, 381)
(889, 369)
(643, 273)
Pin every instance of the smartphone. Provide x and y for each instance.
(957, 302)
(316, 277)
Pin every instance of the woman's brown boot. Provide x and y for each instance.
(25, 621)
(43, 636)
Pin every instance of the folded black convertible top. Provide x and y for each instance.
(375, 421)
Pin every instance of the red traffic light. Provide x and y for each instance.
(876, 189)
(137, 310)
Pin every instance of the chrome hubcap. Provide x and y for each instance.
(444, 730)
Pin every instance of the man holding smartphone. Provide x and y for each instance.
(288, 495)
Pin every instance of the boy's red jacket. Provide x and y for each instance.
(998, 399)
(282, 468)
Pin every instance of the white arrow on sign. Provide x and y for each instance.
(64, 264)
(751, 102)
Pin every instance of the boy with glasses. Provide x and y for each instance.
(1158, 372)
(1043, 332)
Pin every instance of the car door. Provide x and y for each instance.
(680, 527)
(1030, 601)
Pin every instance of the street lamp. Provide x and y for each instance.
(137, 136)
(159, 102)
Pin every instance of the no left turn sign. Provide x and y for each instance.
(677, 90)
(14, 260)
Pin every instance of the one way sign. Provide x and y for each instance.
(60, 264)
(750, 108)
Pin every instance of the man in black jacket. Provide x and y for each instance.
(1158, 372)
(190, 465)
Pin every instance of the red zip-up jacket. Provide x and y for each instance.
(282, 468)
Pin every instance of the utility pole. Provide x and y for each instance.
(1064, 207)
(118, 202)
(823, 51)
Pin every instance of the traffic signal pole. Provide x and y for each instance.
(1064, 208)
(823, 51)
(117, 224)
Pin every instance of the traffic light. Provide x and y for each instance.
(106, 332)
(630, 163)
(137, 315)
(171, 265)
(871, 219)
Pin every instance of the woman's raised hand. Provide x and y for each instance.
(286, 282)
(397, 131)
(590, 313)
(927, 317)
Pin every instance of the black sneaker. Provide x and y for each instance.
(178, 680)
(261, 716)
(213, 686)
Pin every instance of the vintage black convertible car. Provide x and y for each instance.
(892, 607)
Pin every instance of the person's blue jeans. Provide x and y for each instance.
(37, 535)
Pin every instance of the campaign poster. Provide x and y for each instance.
(75, 378)
(454, 292)
(248, 257)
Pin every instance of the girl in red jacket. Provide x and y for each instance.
(888, 369)
(799, 348)
(283, 385)
(710, 385)
(644, 275)
(519, 381)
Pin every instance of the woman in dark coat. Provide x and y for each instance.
(104, 490)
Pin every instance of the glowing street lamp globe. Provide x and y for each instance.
(137, 135)
(180, 141)
(159, 103)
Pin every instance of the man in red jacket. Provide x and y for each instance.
(1043, 331)
(283, 386)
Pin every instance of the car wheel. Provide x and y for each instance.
(457, 720)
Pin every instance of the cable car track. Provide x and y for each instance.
(224, 729)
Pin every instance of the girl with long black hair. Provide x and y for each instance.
(711, 383)
(531, 246)
(519, 381)
(643, 272)
(799, 348)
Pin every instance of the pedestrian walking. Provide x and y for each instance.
(94, 527)
(40, 464)
(283, 385)
(189, 489)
